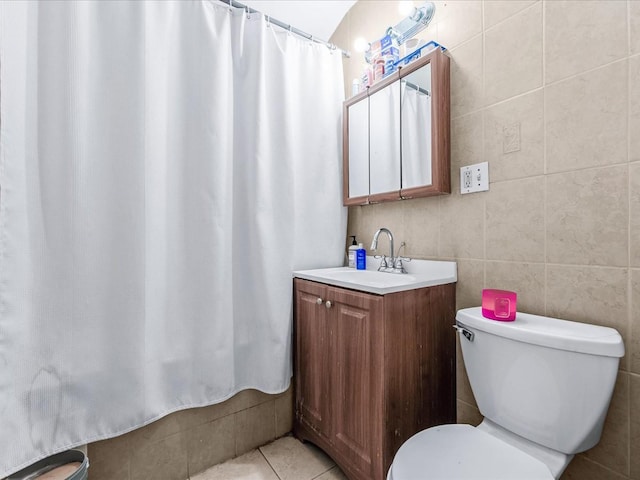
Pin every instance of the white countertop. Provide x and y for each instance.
(421, 273)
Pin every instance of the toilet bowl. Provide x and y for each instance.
(543, 385)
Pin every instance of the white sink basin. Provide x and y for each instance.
(421, 273)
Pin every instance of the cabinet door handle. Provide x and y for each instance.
(319, 301)
(327, 304)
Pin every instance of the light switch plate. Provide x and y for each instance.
(474, 178)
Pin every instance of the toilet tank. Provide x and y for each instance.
(547, 380)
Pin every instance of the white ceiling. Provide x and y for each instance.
(319, 18)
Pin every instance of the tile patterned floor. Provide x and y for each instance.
(284, 459)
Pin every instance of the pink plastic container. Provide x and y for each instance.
(499, 304)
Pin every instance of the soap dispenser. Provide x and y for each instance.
(351, 252)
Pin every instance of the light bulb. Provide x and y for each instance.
(405, 7)
(360, 44)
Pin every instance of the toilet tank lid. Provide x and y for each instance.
(548, 332)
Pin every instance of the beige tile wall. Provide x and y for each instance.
(190, 441)
(561, 222)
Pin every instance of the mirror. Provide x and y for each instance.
(384, 132)
(396, 135)
(358, 118)
(415, 108)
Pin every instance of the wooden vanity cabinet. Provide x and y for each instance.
(371, 370)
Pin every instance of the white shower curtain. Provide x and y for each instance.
(164, 166)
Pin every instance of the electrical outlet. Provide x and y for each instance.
(474, 178)
(466, 179)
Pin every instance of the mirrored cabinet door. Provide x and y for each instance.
(384, 140)
(415, 110)
(425, 120)
(358, 144)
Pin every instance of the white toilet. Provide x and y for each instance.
(543, 386)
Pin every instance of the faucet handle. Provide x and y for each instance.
(383, 262)
(398, 267)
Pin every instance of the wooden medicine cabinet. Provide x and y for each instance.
(396, 135)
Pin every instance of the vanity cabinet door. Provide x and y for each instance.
(312, 370)
(357, 370)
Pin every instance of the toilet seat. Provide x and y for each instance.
(462, 452)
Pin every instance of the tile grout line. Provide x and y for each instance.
(482, 120)
(629, 273)
(510, 16)
(604, 467)
(544, 156)
(499, 102)
(329, 468)
(543, 86)
(579, 169)
(321, 474)
(628, 119)
(590, 70)
(628, 28)
(629, 413)
(268, 463)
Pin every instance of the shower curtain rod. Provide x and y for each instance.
(292, 29)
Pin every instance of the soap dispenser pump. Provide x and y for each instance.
(351, 252)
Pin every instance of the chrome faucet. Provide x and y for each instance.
(391, 263)
(374, 244)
